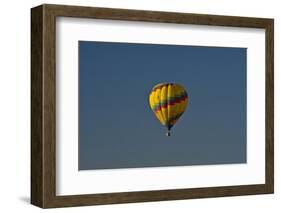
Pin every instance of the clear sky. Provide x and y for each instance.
(117, 128)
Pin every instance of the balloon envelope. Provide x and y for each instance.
(168, 101)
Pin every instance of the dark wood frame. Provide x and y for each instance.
(43, 105)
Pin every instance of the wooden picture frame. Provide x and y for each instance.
(43, 105)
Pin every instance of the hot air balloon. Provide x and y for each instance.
(168, 101)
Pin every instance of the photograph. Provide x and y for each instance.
(157, 105)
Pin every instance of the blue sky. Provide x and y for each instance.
(117, 129)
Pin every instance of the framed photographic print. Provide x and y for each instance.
(136, 106)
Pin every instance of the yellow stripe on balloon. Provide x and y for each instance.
(183, 102)
(177, 94)
(175, 106)
(158, 113)
(169, 97)
(157, 100)
(164, 99)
